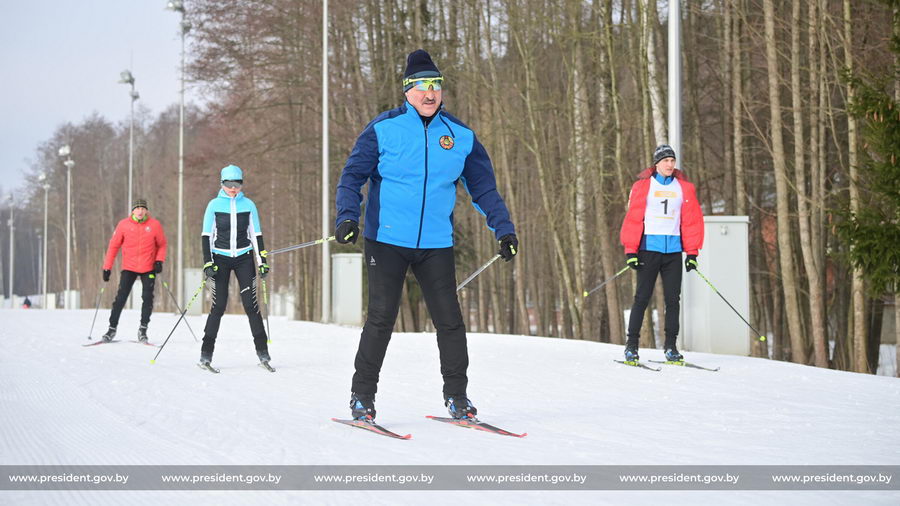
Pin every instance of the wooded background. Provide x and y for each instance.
(568, 97)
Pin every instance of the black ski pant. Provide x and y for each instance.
(245, 271)
(435, 270)
(126, 281)
(668, 266)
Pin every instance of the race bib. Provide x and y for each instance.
(663, 213)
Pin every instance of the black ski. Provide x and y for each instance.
(204, 365)
(101, 342)
(265, 365)
(682, 363)
(474, 423)
(371, 427)
(637, 364)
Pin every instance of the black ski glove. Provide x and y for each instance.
(157, 267)
(106, 273)
(690, 263)
(209, 269)
(347, 231)
(264, 266)
(631, 260)
(509, 246)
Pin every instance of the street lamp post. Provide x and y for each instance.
(178, 6)
(66, 151)
(326, 221)
(127, 78)
(43, 178)
(12, 248)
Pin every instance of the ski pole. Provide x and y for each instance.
(102, 288)
(586, 293)
(174, 301)
(199, 289)
(761, 337)
(301, 246)
(266, 302)
(476, 273)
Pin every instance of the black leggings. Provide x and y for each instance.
(667, 265)
(245, 271)
(126, 281)
(435, 269)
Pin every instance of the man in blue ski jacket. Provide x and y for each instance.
(230, 240)
(412, 158)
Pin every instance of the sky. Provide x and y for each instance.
(60, 62)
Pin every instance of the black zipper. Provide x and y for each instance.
(424, 190)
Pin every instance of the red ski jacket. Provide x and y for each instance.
(142, 243)
(691, 215)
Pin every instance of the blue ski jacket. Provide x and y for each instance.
(231, 226)
(412, 169)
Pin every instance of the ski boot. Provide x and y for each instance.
(631, 353)
(362, 406)
(264, 359)
(205, 362)
(673, 355)
(459, 406)
(110, 335)
(142, 334)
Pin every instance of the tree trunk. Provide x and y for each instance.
(857, 287)
(785, 249)
(737, 81)
(649, 19)
(813, 276)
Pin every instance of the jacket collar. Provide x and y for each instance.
(224, 195)
(649, 171)
(411, 111)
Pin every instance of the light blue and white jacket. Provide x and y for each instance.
(412, 170)
(231, 226)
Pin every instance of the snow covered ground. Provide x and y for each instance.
(61, 403)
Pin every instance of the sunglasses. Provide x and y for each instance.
(422, 84)
(233, 184)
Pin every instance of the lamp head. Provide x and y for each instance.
(125, 77)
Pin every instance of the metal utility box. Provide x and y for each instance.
(346, 289)
(192, 279)
(708, 324)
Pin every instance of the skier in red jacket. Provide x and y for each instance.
(663, 220)
(143, 245)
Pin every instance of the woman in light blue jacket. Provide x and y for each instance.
(231, 239)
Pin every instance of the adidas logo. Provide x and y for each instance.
(371, 260)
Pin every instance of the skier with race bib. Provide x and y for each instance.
(663, 221)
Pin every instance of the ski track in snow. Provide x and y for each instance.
(66, 404)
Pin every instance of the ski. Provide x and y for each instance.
(638, 364)
(146, 343)
(474, 423)
(265, 365)
(371, 427)
(684, 364)
(208, 367)
(101, 342)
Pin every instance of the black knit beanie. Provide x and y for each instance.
(419, 64)
(663, 151)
